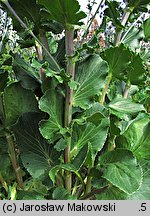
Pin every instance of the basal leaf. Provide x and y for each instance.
(64, 11)
(144, 191)
(121, 169)
(89, 133)
(36, 154)
(90, 74)
(17, 101)
(112, 193)
(137, 138)
(51, 103)
(122, 107)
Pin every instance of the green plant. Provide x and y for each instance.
(70, 123)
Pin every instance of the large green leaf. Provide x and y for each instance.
(64, 11)
(36, 154)
(118, 59)
(17, 101)
(122, 107)
(107, 190)
(144, 191)
(136, 72)
(124, 64)
(121, 169)
(90, 74)
(89, 133)
(52, 103)
(112, 193)
(137, 138)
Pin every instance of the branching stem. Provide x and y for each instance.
(54, 63)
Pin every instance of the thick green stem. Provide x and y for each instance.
(124, 20)
(104, 92)
(69, 35)
(53, 62)
(12, 153)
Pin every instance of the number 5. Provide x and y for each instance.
(143, 207)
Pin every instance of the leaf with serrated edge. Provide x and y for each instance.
(137, 138)
(121, 169)
(121, 106)
(144, 191)
(52, 103)
(89, 133)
